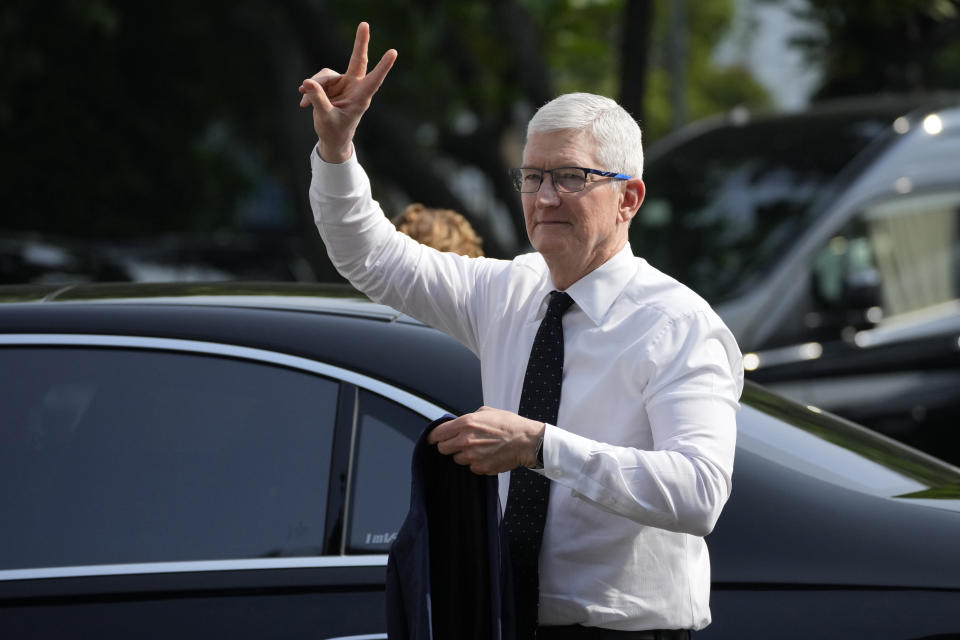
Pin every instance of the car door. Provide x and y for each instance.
(155, 487)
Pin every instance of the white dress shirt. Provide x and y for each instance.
(642, 453)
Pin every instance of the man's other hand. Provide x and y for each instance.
(489, 441)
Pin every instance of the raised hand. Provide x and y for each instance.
(340, 100)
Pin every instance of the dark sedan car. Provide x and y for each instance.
(233, 461)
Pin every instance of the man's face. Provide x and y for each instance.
(575, 232)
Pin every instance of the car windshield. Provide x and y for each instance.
(723, 205)
(806, 440)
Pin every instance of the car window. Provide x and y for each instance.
(907, 248)
(723, 206)
(123, 456)
(916, 244)
(804, 439)
(380, 491)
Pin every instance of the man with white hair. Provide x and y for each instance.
(611, 390)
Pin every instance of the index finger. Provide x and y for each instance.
(444, 431)
(358, 59)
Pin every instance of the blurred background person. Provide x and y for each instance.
(442, 229)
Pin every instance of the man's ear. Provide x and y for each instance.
(633, 193)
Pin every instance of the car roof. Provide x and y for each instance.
(883, 106)
(315, 321)
(317, 297)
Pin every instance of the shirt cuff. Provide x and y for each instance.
(336, 179)
(563, 453)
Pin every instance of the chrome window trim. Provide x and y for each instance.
(421, 406)
(351, 457)
(415, 403)
(251, 564)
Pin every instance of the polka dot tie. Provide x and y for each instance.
(526, 511)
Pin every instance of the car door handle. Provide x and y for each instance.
(369, 636)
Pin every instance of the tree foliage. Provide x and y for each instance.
(707, 89)
(878, 46)
(105, 118)
(121, 118)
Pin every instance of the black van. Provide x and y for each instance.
(829, 241)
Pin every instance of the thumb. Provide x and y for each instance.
(313, 94)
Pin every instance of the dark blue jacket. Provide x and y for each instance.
(448, 574)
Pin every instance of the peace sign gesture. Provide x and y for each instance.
(340, 100)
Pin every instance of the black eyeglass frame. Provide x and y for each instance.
(517, 178)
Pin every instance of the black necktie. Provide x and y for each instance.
(526, 511)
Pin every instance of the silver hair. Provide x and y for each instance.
(618, 143)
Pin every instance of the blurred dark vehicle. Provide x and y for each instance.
(829, 241)
(32, 258)
(215, 257)
(233, 460)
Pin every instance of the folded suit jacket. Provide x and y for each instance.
(448, 573)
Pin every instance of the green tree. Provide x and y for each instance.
(106, 116)
(707, 89)
(879, 46)
(122, 119)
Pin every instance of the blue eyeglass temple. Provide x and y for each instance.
(608, 174)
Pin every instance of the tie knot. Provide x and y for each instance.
(560, 301)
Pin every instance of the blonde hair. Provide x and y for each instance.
(442, 229)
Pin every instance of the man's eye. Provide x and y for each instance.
(568, 174)
(531, 177)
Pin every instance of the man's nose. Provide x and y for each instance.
(547, 194)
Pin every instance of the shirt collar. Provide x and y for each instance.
(596, 292)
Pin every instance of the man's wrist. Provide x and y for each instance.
(538, 458)
(334, 155)
(538, 452)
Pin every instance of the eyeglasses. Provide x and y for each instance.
(566, 179)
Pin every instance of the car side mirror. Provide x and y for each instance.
(861, 290)
(861, 299)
